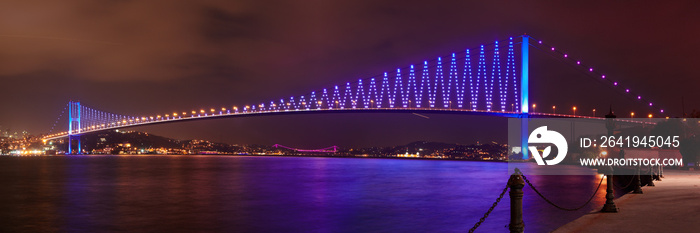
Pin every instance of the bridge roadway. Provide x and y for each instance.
(138, 122)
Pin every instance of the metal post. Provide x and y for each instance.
(651, 177)
(516, 184)
(638, 187)
(609, 206)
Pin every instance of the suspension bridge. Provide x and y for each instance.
(491, 79)
(331, 149)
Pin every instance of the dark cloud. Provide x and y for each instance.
(147, 57)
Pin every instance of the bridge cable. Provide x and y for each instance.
(431, 61)
(581, 68)
(58, 119)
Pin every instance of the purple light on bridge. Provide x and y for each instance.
(603, 77)
(578, 62)
(650, 104)
(480, 73)
(662, 110)
(552, 48)
(590, 69)
(639, 97)
(467, 64)
(565, 55)
(385, 86)
(412, 79)
(627, 90)
(615, 83)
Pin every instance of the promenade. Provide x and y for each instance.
(673, 205)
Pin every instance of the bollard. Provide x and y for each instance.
(638, 188)
(609, 206)
(651, 177)
(516, 184)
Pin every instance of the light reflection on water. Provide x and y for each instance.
(272, 194)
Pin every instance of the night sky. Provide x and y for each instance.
(156, 57)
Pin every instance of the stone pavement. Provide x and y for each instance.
(673, 205)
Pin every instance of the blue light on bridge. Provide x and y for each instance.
(524, 93)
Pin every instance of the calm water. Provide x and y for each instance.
(270, 194)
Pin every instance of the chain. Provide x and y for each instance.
(633, 177)
(489, 211)
(559, 207)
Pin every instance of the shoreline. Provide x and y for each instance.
(290, 156)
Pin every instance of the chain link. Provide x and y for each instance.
(559, 207)
(490, 210)
(633, 177)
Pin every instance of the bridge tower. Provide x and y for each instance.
(73, 123)
(524, 95)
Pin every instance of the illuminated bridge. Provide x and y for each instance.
(331, 149)
(491, 79)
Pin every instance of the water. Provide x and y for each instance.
(271, 194)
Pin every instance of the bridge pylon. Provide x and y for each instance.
(73, 125)
(524, 96)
